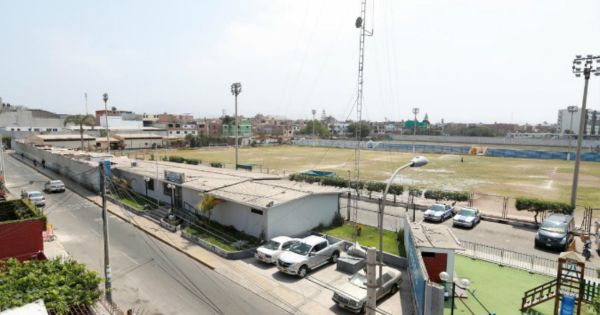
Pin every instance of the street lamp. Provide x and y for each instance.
(417, 161)
(571, 110)
(236, 89)
(464, 284)
(172, 188)
(146, 180)
(105, 99)
(415, 111)
(587, 70)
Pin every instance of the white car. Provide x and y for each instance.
(352, 295)
(54, 186)
(35, 197)
(438, 213)
(308, 254)
(272, 249)
(467, 217)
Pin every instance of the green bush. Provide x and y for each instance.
(537, 206)
(216, 164)
(176, 159)
(396, 189)
(375, 186)
(446, 195)
(165, 158)
(334, 181)
(151, 157)
(193, 161)
(337, 220)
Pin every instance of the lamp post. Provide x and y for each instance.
(172, 188)
(464, 284)
(415, 111)
(146, 180)
(105, 99)
(417, 161)
(571, 110)
(587, 70)
(236, 89)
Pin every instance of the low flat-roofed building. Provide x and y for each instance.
(260, 205)
(139, 140)
(69, 141)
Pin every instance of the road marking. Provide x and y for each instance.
(130, 258)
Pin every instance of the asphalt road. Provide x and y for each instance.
(147, 274)
(519, 239)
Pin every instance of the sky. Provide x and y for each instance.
(458, 60)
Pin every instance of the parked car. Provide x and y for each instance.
(272, 249)
(309, 253)
(35, 197)
(556, 232)
(55, 185)
(353, 294)
(467, 217)
(438, 213)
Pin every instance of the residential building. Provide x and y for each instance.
(257, 204)
(180, 130)
(139, 140)
(171, 118)
(340, 128)
(568, 122)
(245, 129)
(215, 128)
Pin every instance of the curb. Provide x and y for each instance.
(211, 267)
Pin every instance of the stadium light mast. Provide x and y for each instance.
(571, 109)
(314, 112)
(415, 111)
(236, 89)
(588, 68)
(105, 99)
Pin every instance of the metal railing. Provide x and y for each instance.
(511, 258)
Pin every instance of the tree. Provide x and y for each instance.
(446, 195)
(207, 204)
(60, 284)
(80, 120)
(227, 120)
(537, 206)
(365, 129)
(320, 129)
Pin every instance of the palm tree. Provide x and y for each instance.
(80, 120)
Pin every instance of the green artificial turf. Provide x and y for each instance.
(369, 237)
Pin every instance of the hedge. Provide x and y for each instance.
(335, 181)
(192, 161)
(446, 195)
(216, 164)
(176, 159)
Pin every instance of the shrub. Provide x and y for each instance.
(446, 195)
(216, 164)
(334, 181)
(165, 158)
(151, 157)
(176, 159)
(193, 161)
(337, 220)
(536, 206)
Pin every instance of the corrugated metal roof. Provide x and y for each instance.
(64, 137)
(434, 236)
(138, 136)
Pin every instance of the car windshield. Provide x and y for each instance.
(55, 182)
(35, 195)
(359, 280)
(554, 227)
(438, 208)
(300, 248)
(272, 245)
(467, 212)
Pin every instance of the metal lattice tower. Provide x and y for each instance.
(360, 23)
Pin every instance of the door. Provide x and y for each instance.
(319, 256)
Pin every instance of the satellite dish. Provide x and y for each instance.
(359, 22)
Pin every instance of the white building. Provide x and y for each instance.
(568, 121)
(256, 204)
(139, 140)
(20, 122)
(119, 122)
(69, 141)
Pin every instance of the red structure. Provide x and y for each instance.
(21, 228)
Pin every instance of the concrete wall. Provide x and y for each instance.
(141, 143)
(302, 215)
(241, 217)
(84, 173)
(494, 140)
(26, 118)
(71, 144)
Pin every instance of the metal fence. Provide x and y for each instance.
(507, 257)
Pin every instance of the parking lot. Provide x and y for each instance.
(320, 284)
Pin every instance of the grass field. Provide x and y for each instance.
(369, 237)
(500, 289)
(548, 179)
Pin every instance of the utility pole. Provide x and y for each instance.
(415, 111)
(107, 270)
(236, 89)
(105, 99)
(2, 161)
(587, 71)
(86, 103)
(571, 110)
(371, 282)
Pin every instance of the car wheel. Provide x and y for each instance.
(394, 289)
(363, 309)
(302, 271)
(334, 257)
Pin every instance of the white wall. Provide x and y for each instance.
(240, 217)
(141, 143)
(302, 215)
(116, 122)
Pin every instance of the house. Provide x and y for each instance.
(245, 129)
(139, 140)
(257, 204)
(21, 228)
(69, 141)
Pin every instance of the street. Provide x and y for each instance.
(147, 275)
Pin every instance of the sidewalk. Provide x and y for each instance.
(237, 271)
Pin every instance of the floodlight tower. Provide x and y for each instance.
(588, 68)
(416, 112)
(314, 112)
(105, 99)
(571, 109)
(236, 89)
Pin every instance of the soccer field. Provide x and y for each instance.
(547, 179)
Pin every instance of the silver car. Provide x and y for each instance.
(54, 186)
(309, 253)
(467, 217)
(353, 294)
(36, 198)
(438, 213)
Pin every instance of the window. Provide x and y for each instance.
(319, 247)
(386, 277)
(287, 245)
(151, 184)
(54, 129)
(256, 211)
(177, 132)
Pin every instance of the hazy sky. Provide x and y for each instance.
(477, 61)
